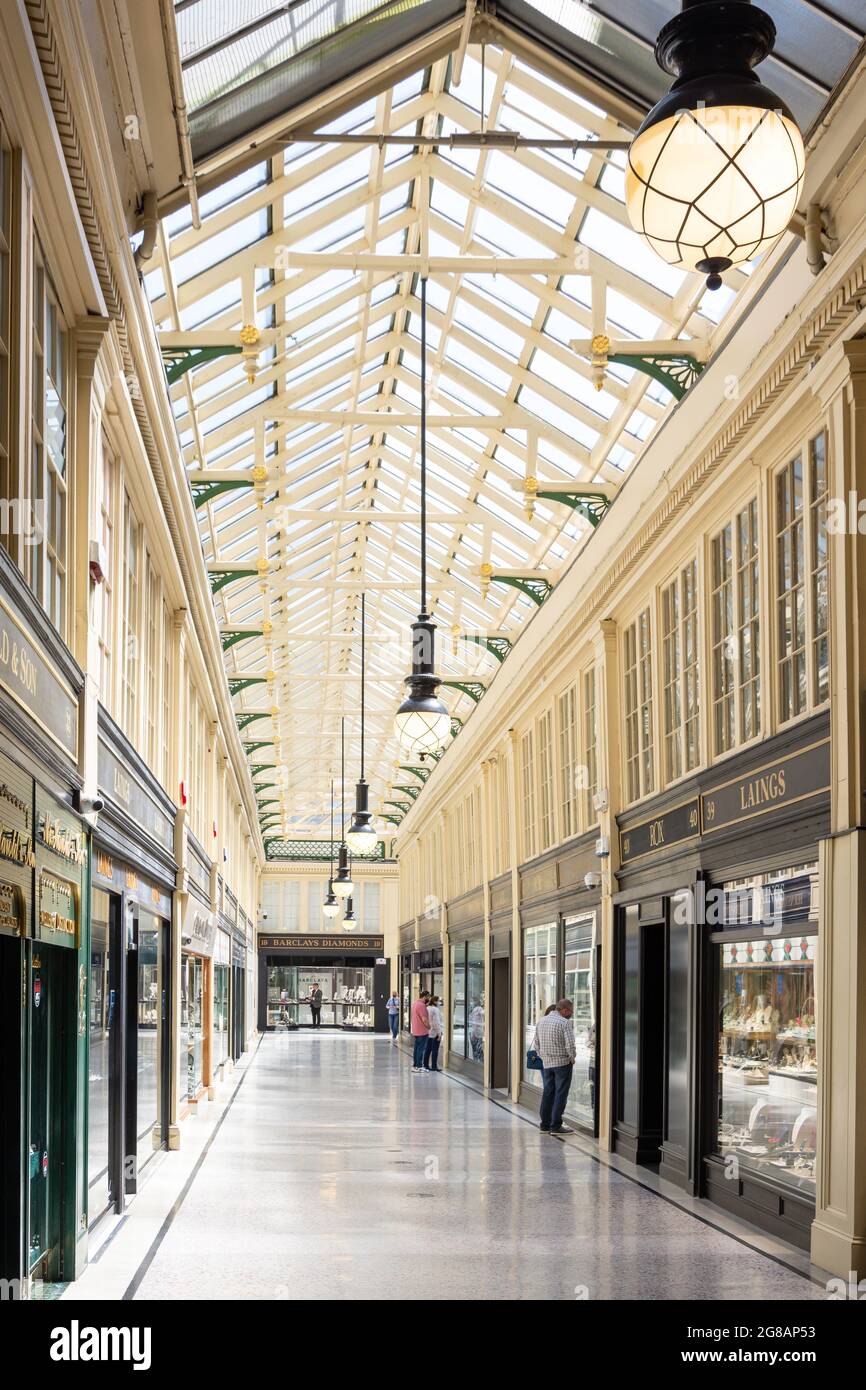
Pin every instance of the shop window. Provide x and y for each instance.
(316, 891)
(457, 1044)
(768, 1059)
(48, 445)
(8, 481)
(191, 1032)
(527, 768)
(802, 601)
(735, 631)
(680, 672)
(545, 782)
(579, 985)
(475, 1000)
(640, 775)
(539, 985)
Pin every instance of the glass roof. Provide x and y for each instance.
(338, 511)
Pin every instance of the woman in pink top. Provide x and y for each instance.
(420, 1028)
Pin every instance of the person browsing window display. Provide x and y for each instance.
(420, 1030)
(434, 1035)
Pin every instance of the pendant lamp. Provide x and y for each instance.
(350, 921)
(422, 722)
(343, 884)
(362, 836)
(330, 907)
(715, 171)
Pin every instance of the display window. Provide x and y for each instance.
(220, 1012)
(191, 1032)
(467, 1000)
(579, 985)
(539, 985)
(406, 991)
(99, 1069)
(767, 1045)
(150, 1039)
(347, 996)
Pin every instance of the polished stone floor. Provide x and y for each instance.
(336, 1173)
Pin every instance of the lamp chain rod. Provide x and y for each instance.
(424, 445)
(343, 780)
(363, 625)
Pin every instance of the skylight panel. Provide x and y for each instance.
(210, 306)
(570, 381)
(219, 247)
(506, 237)
(488, 328)
(504, 288)
(553, 415)
(352, 171)
(633, 318)
(625, 248)
(523, 185)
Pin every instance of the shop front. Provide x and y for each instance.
(44, 928)
(561, 959)
(500, 982)
(238, 996)
(404, 982)
(198, 939)
(716, 1062)
(351, 973)
(467, 1020)
(129, 1010)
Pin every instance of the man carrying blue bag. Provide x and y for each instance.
(554, 1044)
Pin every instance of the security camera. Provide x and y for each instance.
(591, 880)
(89, 807)
(600, 801)
(186, 940)
(602, 847)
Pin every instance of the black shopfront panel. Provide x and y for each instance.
(715, 951)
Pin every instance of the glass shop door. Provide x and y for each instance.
(48, 979)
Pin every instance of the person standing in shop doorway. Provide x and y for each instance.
(554, 1043)
(316, 1005)
(434, 1034)
(420, 1030)
(393, 1007)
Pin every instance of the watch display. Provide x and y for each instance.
(768, 1060)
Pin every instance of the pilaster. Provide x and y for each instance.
(839, 1228)
(604, 645)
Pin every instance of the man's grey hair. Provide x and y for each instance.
(564, 1004)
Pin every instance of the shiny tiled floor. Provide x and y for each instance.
(338, 1174)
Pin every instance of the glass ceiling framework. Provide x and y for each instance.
(330, 497)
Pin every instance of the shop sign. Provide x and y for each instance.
(323, 942)
(57, 916)
(11, 909)
(108, 873)
(62, 839)
(199, 928)
(665, 830)
(29, 678)
(780, 783)
(16, 811)
(123, 788)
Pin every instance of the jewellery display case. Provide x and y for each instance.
(347, 996)
(768, 1065)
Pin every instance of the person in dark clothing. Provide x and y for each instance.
(316, 1005)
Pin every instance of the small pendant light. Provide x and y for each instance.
(350, 921)
(362, 837)
(330, 907)
(422, 722)
(343, 884)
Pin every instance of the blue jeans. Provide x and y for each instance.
(393, 1024)
(557, 1083)
(418, 1049)
(431, 1054)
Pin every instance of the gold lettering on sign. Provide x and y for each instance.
(57, 908)
(7, 794)
(657, 833)
(61, 839)
(122, 785)
(154, 894)
(758, 791)
(17, 847)
(104, 864)
(626, 845)
(17, 660)
(11, 908)
(131, 879)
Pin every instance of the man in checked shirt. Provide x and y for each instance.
(554, 1043)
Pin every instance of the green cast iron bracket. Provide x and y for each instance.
(591, 505)
(409, 790)
(251, 746)
(536, 589)
(474, 689)
(220, 578)
(239, 683)
(230, 636)
(499, 646)
(422, 773)
(674, 371)
(179, 361)
(244, 720)
(203, 492)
